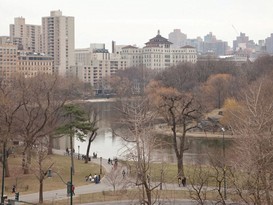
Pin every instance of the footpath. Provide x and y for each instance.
(62, 193)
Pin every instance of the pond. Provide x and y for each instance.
(105, 145)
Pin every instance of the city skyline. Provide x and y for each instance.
(135, 22)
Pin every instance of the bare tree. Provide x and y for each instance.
(92, 130)
(252, 125)
(39, 113)
(115, 178)
(9, 106)
(138, 119)
(199, 183)
(181, 111)
(40, 168)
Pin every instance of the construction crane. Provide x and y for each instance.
(235, 30)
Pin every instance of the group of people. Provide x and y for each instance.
(95, 178)
(67, 151)
(182, 181)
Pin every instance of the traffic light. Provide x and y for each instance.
(17, 196)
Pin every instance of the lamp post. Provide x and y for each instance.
(224, 161)
(69, 184)
(100, 165)
(78, 151)
(3, 172)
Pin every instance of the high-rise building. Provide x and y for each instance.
(58, 41)
(242, 42)
(212, 45)
(269, 44)
(25, 36)
(178, 38)
(94, 64)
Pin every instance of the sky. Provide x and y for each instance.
(134, 22)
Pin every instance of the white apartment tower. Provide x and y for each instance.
(25, 36)
(58, 41)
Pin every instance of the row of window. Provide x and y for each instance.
(36, 63)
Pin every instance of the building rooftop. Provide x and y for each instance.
(157, 40)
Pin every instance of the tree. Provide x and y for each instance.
(252, 125)
(137, 120)
(181, 77)
(92, 131)
(75, 124)
(115, 179)
(41, 168)
(9, 107)
(181, 111)
(218, 88)
(39, 113)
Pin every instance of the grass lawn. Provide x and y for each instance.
(29, 183)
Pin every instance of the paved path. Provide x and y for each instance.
(91, 188)
(62, 193)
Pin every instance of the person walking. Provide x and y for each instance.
(123, 174)
(73, 189)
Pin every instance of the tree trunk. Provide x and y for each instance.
(7, 173)
(180, 167)
(27, 160)
(50, 146)
(87, 151)
(24, 164)
(41, 198)
(71, 154)
(148, 194)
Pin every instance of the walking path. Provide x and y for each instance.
(61, 194)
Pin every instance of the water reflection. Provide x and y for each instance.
(107, 146)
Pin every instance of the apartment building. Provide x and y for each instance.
(25, 36)
(178, 38)
(158, 54)
(58, 41)
(93, 65)
(31, 64)
(4, 39)
(8, 59)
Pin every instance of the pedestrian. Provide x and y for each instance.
(95, 179)
(73, 189)
(90, 177)
(184, 181)
(179, 181)
(123, 174)
(67, 151)
(109, 160)
(13, 189)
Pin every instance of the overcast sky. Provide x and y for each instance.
(136, 21)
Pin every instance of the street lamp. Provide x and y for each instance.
(100, 165)
(224, 160)
(78, 152)
(69, 184)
